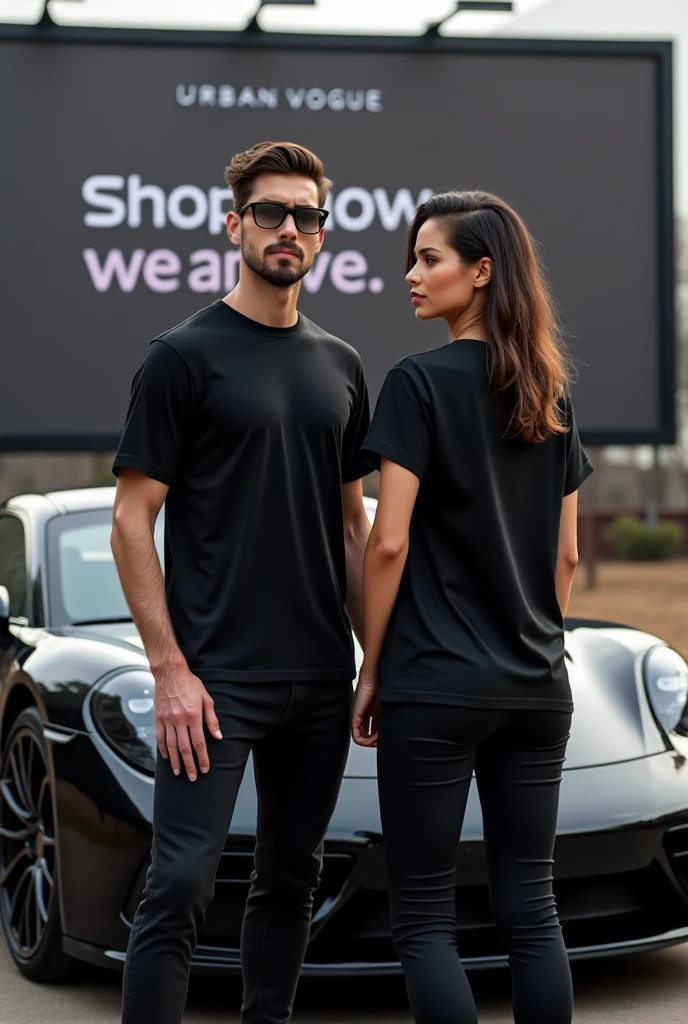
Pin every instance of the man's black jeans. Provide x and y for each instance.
(299, 736)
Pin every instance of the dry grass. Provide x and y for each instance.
(648, 595)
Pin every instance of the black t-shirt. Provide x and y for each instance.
(476, 621)
(254, 429)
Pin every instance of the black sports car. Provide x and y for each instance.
(77, 745)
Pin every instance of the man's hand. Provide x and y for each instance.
(365, 714)
(182, 704)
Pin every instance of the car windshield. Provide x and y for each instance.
(83, 583)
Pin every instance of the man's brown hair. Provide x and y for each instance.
(273, 158)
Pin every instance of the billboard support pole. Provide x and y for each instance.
(653, 502)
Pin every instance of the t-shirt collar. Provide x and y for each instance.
(254, 325)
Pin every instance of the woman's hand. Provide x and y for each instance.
(365, 715)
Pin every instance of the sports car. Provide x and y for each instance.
(77, 756)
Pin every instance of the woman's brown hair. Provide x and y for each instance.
(273, 158)
(526, 362)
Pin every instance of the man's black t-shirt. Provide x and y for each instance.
(254, 429)
(476, 621)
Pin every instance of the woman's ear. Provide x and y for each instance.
(483, 272)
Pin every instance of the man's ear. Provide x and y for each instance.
(234, 227)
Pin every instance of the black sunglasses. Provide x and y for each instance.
(309, 220)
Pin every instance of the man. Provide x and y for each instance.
(246, 421)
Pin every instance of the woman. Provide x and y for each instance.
(467, 577)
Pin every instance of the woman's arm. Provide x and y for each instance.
(567, 555)
(383, 566)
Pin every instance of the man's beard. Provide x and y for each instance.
(282, 274)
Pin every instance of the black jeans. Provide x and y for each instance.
(426, 755)
(299, 735)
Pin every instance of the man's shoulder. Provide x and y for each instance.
(336, 344)
(190, 333)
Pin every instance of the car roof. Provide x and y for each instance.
(82, 499)
(77, 499)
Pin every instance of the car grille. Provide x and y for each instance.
(222, 926)
(676, 846)
(593, 911)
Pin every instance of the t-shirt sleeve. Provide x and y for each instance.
(161, 404)
(401, 427)
(354, 462)
(578, 466)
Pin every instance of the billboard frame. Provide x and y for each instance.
(659, 50)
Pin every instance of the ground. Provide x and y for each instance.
(648, 595)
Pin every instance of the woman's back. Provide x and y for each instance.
(476, 621)
(467, 575)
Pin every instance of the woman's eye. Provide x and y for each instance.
(430, 259)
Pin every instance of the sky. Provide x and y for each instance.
(612, 19)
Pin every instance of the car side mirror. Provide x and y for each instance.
(4, 608)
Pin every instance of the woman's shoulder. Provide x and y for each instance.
(436, 362)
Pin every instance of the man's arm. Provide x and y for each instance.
(356, 532)
(181, 700)
(137, 504)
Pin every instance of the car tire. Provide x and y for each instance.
(27, 839)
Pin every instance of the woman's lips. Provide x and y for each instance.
(417, 299)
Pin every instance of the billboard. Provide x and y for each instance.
(114, 204)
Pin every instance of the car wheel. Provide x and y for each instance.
(29, 904)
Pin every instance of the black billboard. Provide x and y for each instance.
(114, 205)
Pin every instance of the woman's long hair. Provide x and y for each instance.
(526, 363)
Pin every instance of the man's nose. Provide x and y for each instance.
(288, 228)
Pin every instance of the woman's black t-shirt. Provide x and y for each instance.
(476, 621)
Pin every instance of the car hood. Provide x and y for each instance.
(612, 721)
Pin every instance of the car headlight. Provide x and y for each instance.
(666, 682)
(123, 711)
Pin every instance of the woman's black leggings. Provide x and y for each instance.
(426, 755)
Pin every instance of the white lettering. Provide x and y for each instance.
(226, 96)
(186, 97)
(316, 99)
(187, 221)
(207, 277)
(354, 222)
(355, 100)
(348, 272)
(247, 98)
(374, 101)
(268, 97)
(137, 193)
(161, 269)
(91, 192)
(189, 207)
(207, 96)
(114, 267)
(316, 275)
(336, 99)
(401, 206)
(295, 98)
